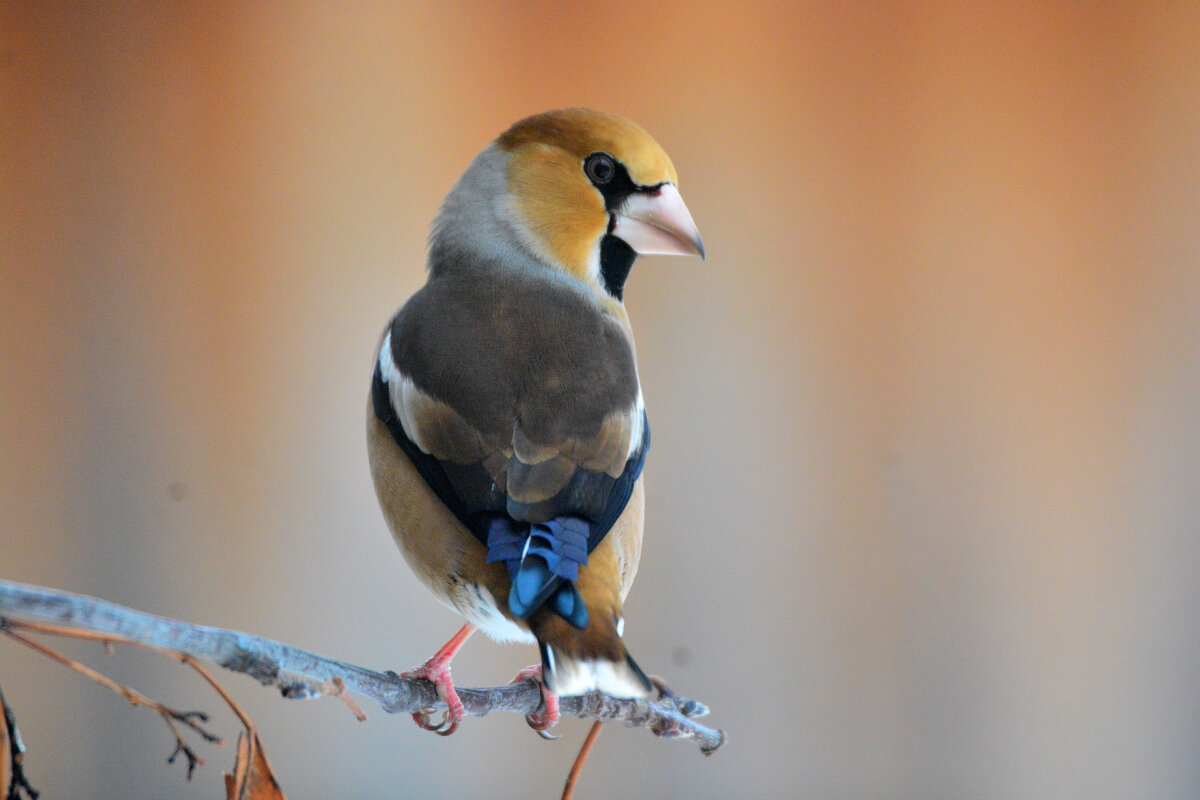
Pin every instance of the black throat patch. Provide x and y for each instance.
(616, 260)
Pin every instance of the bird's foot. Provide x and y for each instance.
(437, 671)
(439, 676)
(540, 721)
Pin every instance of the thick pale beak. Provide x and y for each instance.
(658, 223)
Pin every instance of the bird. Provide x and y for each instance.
(506, 426)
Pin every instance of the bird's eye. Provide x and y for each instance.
(600, 168)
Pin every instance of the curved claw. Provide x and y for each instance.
(540, 721)
(440, 678)
(542, 732)
(448, 723)
(437, 671)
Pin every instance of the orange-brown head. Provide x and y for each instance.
(581, 191)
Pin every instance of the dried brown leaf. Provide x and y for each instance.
(252, 778)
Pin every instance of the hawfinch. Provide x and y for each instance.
(506, 428)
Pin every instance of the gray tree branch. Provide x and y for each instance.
(300, 674)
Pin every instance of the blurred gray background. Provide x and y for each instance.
(923, 505)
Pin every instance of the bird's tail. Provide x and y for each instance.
(577, 661)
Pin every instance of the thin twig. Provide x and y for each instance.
(170, 716)
(184, 749)
(18, 782)
(192, 719)
(298, 673)
(577, 767)
(338, 690)
(109, 640)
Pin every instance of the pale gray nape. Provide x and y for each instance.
(477, 219)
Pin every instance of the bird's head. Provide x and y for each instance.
(583, 191)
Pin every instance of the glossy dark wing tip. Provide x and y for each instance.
(637, 671)
(531, 586)
(569, 605)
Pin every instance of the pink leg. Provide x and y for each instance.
(437, 671)
(548, 717)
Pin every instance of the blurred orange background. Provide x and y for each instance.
(923, 505)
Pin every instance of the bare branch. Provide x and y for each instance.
(301, 674)
(13, 782)
(194, 720)
(184, 749)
